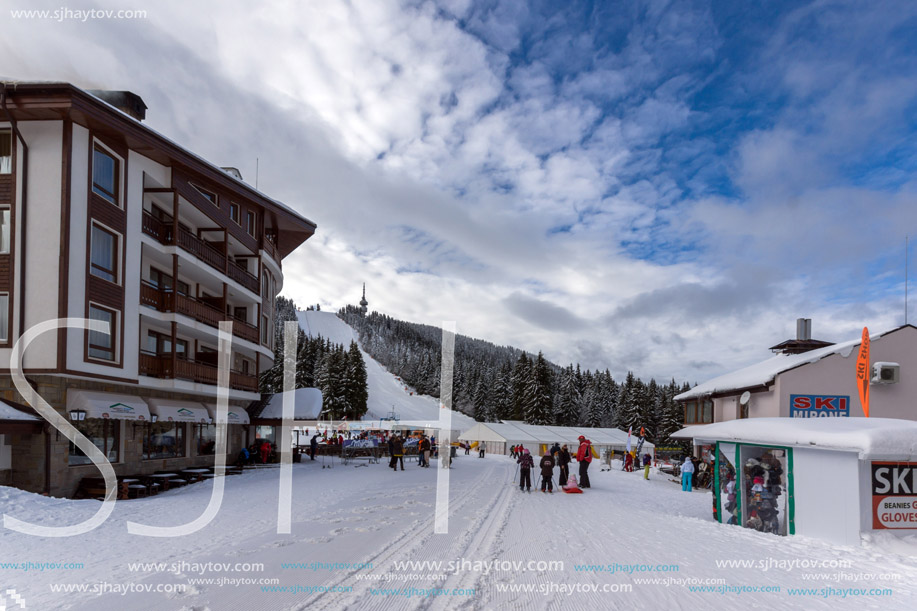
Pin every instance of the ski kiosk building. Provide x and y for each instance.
(829, 478)
(498, 437)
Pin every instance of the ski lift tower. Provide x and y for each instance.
(363, 302)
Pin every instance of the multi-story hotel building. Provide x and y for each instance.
(102, 218)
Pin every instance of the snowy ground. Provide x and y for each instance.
(386, 392)
(374, 518)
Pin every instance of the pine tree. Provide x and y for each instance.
(567, 411)
(540, 390)
(357, 390)
(521, 387)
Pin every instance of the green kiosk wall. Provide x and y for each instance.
(754, 488)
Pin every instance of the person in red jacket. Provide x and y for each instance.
(265, 451)
(584, 457)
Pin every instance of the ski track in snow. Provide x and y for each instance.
(348, 514)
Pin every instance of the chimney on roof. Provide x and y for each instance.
(234, 172)
(803, 328)
(803, 341)
(126, 101)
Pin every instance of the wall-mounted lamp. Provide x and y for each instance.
(77, 415)
(154, 417)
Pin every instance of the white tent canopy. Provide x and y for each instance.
(178, 411)
(108, 405)
(514, 432)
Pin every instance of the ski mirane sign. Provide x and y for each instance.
(819, 406)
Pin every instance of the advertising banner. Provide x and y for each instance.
(894, 495)
(819, 406)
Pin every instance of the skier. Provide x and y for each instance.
(687, 472)
(480, 449)
(547, 472)
(525, 470)
(584, 457)
(555, 450)
(424, 451)
(512, 451)
(563, 459)
(646, 466)
(313, 446)
(397, 452)
(391, 451)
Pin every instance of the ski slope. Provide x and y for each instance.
(386, 391)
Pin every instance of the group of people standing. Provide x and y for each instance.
(557, 456)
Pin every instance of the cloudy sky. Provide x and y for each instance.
(661, 187)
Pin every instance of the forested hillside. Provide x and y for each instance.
(504, 383)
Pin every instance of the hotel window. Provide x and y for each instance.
(105, 173)
(699, 412)
(103, 433)
(250, 223)
(163, 440)
(4, 316)
(4, 230)
(103, 260)
(102, 345)
(234, 213)
(163, 281)
(161, 344)
(208, 195)
(205, 439)
(6, 151)
(265, 330)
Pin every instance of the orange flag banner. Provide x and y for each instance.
(863, 372)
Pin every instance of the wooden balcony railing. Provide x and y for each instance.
(201, 249)
(243, 277)
(169, 301)
(160, 366)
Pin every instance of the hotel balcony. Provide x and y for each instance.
(164, 232)
(174, 366)
(164, 300)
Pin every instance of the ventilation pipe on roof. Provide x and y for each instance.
(804, 328)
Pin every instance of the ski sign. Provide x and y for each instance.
(863, 372)
(894, 495)
(819, 406)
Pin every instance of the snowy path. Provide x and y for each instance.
(378, 519)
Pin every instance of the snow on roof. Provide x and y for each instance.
(519, 431)
(8, 412)
(238, 179)
(871, 438)
(764, 372)
(307, 405)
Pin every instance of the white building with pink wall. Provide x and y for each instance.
(820, 382)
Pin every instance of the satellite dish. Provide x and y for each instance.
(745, 398)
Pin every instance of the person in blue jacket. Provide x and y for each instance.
(687, 472)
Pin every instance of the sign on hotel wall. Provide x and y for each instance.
(819, 406)
(894, 495)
